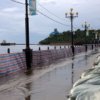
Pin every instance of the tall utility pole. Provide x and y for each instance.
(86, 26)
(72, 15)
(27, 25)
(28, 51)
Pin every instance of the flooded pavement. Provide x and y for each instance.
(52, 83)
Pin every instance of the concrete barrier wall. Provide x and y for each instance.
(15, 62)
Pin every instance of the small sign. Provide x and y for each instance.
(32, 7)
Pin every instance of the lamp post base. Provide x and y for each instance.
(29, 72)
(28, 55)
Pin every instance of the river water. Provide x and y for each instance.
(19, 48)
(50, 83)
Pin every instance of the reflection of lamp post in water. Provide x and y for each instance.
(85, 26)
(98, 39)
(72, 15)
(72, 71)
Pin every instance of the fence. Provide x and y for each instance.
(11, 63)
(15, 62)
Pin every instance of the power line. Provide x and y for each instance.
(18, 2)
(43, 14)
(52, 19)
(42, 7)
(51, 12)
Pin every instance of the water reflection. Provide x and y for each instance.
(72, 70)
(29, 87)
(54, 84)
(28, 98)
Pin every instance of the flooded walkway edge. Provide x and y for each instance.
(26, 80)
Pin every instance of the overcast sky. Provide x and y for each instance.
(12, 27)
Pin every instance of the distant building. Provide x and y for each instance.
(55, 32)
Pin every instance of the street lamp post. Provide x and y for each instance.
(72, 15)
(86, 26)
(96, 39)
(27, 50)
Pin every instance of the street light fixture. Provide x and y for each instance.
(71, 15)
(86, 26)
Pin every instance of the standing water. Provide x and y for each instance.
(50, 83)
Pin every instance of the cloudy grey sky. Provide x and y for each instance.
(12, 16)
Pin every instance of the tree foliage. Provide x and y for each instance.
(66, 37)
